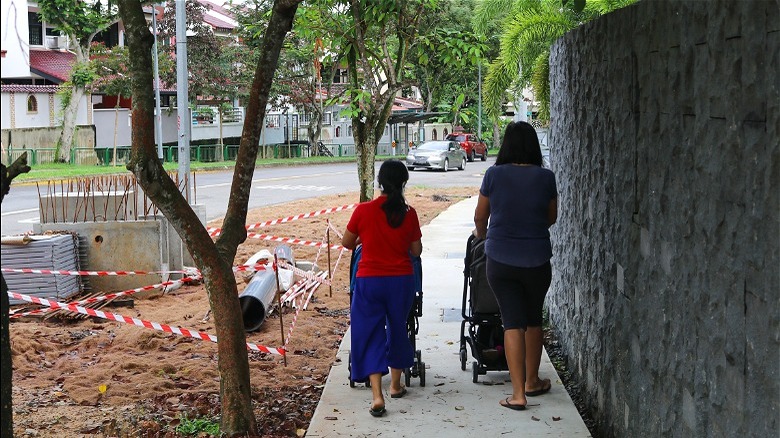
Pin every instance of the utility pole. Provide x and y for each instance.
(157, 84)
(182, 99)
(479, 102)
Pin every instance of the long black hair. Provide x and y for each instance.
(520, 145)
(392, 178)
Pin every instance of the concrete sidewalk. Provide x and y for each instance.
(450, 405)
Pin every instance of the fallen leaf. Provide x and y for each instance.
(102, 389)
(459, 408)
(534, 418)
(331, 418)
(556, 418)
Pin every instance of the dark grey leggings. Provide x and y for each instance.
(519, 292)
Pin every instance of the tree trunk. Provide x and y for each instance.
(213, 259)
(496, 136)
(314, 130)
(6, 370)
(116, 125)
(365, 147)
(69, 116)
(218, 153)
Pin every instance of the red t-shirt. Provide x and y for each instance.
(385, 249)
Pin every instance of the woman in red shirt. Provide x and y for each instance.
(389, 231)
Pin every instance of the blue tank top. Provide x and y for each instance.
(520, 197)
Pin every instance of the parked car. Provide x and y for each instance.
(545, 156)
(471, 144)
(441, 154)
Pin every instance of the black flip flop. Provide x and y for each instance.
(378, 412)
(511, 406)
(400, 394)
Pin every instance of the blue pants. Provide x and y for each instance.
(380, 309)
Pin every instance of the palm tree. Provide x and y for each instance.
(528, 29)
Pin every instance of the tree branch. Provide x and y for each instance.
(18, 167)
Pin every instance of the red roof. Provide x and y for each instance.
(216, 22)
(16, 88)
(52, 64)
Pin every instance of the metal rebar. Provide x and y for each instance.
(279, 300)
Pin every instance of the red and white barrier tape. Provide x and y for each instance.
(114, 295)
(86, 273)
(292, 241)
(214, 232)
(338, 233)
(309, 275)
(255, 267)
(190, 333)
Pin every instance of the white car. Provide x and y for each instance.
(437, 154)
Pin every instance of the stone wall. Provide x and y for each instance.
(665, 141)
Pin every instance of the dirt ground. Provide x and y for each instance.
(90, 377)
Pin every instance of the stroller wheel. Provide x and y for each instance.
(422, 374)
(351, 383)
(475, 372)
(407, 376)
(463, 358)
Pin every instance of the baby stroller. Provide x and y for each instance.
(417, 369)
(485, 332)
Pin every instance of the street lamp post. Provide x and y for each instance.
(182, 100)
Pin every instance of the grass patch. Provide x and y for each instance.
(194, 426)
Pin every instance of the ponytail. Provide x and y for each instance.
(392, 179)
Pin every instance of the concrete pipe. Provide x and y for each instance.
(257, 298)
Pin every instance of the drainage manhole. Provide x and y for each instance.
(451, 315)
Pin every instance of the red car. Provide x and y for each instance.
(471, 144)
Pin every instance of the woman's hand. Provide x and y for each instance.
(350, 240)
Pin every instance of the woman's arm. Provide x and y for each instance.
(416, 248)
(552, 212)
(481, 215)
(350, 240)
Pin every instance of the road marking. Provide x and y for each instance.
(280, 178)
(29, 210)
(300, 188)
(32, 220)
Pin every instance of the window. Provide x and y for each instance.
(272, 121)
(338, 131)
(349, 131)
(445, 132)
(434, 135)
(32, 104)
(36, 29)
(109, 37)
(340, 76)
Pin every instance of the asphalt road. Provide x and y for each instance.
(273, 185)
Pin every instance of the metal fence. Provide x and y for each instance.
(104, 156)
(49, 155)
